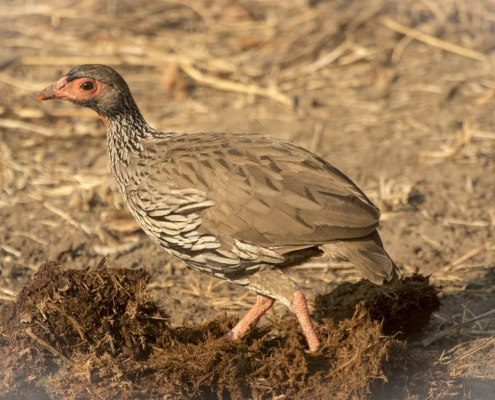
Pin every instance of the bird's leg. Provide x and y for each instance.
(299, 306)
(263, 304)
(272, 284)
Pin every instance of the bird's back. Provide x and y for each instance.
(256, 189)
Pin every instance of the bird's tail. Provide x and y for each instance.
(368, 256)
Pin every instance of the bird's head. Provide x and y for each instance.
(95, 86)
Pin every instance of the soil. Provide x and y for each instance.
(409, 118)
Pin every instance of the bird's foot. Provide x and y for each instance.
(262, 305)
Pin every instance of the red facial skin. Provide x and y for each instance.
(73, 90)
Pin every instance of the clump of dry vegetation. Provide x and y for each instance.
(404, 311)
(96, 332)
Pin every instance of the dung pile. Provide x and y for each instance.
(66, 324)
(96, 333)
(404, 311)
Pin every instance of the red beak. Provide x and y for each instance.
(54, 91)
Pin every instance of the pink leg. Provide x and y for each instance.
(300, 308)
(263, 304)
(280, 287)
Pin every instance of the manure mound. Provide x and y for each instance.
(96, 333)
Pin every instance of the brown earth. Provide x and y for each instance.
(398, 95)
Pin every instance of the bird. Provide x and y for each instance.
(242, 207)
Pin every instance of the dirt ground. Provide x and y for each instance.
(399, 95)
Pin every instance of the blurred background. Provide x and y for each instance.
(399, 95)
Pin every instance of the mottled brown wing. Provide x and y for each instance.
(265, 191)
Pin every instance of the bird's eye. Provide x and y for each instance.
(87, 85)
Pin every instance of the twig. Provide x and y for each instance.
(431, 339)
(402, 45)
(483, 135)
(19, 84)
(9, 295)
(8, 292)
(31, 236)
(485, 343)
(321, 62)
(10, 250)
(14, 124)
(432, 41)
(325, 265)
(68, 60)
(119, 249)
(329, 58)
(49, 347)
(68, 218)
(237, 87)
(457, 221)
(470, 254)
(317, 133)
(71, 319)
